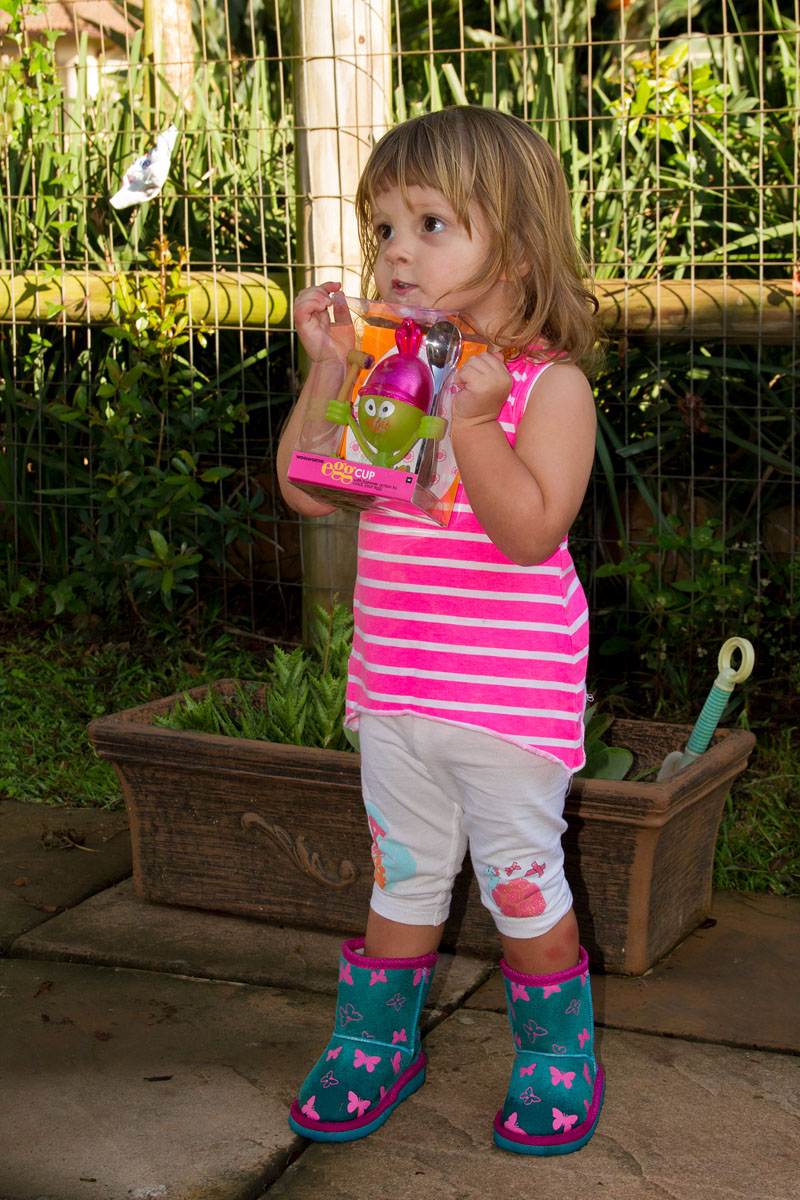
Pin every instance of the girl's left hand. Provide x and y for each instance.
(483, 385)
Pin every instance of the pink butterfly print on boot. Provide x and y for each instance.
(359, 1106)
(563, 1120)
(534, 1030)
(347, 1014)
(370, 1061)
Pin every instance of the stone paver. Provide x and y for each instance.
(150, 1052)
(121, 1084)
(735, 982)
(681, 1121)
(117, 929)
(36, 882)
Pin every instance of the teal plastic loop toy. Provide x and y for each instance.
(715, 705)
(720, 693)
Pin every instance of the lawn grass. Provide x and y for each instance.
(52, 685)
(758, 845)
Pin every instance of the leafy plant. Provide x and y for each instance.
(152, 508)
(300, 703)
(61, 158)
(602, 761)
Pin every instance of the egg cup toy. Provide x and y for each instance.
(384, 436)
(394, 403)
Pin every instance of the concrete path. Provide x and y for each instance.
(150, 1051)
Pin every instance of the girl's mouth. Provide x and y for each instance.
(401, 287)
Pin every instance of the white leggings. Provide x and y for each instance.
(430, 789)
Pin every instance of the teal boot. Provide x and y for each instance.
(556, 1088)
(374, 1059)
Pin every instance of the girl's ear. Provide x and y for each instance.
(523, 269)
(519, 256)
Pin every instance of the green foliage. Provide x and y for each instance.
(52, 685)
(141, 429)
(673, 622)
(758, 847)
(659, 122)
(63, 158)
(602, 761)
(690, 514)
(122, 477)
(300, 703)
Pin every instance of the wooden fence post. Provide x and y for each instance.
(342, 96)
(169, 42)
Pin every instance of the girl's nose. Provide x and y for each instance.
(397, 251)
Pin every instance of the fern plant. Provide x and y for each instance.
(300, 702)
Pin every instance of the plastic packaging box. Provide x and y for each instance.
(377, 431)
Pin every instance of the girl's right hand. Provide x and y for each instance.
(323, 338)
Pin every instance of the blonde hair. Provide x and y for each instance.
(480, 155)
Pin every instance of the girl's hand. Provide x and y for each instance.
(323, 338)
(483, 385)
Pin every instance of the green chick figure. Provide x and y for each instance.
(393, 403)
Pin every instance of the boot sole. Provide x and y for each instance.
(558, 1143)
(349, 1131)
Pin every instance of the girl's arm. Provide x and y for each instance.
(326, 341)
(525, 497)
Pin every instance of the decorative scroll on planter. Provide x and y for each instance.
(307, 861)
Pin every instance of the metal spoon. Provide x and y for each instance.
(443, 347)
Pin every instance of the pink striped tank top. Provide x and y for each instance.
(448, 628)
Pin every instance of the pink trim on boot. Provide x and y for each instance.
(349, 951)
(580, 968)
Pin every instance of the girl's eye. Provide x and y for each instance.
(432, 224)
(383, 232)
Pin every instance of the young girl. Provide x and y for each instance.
(467, 676)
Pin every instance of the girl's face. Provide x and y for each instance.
(425, 257)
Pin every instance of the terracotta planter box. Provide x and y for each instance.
(278, 832)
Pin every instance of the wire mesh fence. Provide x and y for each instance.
(139, 422)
